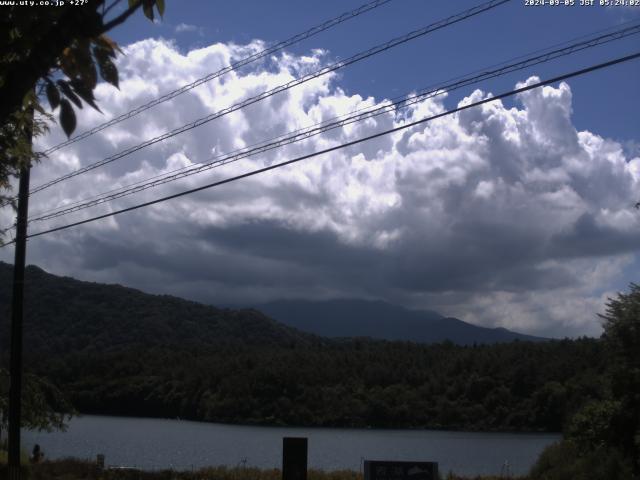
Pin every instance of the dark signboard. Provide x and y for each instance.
(294, 458)
(384, 470)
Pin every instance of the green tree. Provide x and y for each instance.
(622, 340)
(55, 52)
(592, 427)
(602, 440)
(565, 461)
(44, 406)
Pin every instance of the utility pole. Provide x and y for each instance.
(15, 365)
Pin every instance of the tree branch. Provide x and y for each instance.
(108, 9)
(119, 19)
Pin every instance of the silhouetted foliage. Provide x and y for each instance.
(57, 53)
(564, 461)
(602, 440)
(44, 406)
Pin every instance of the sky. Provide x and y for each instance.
(517, 214)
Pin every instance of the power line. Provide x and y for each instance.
(234, 66)
(322, 127)
(302, 134)
(347, 144)
(397, 102)
(443, 85)
(281, 88)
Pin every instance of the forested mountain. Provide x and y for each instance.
(381, 320)
(67, 315)
(63, 314)
(116, 350)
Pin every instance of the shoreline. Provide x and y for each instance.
(152, 444)
(323, 427)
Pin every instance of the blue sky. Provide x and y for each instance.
(605, 102)
(516, 214)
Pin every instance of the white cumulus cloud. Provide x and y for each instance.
(503, 216)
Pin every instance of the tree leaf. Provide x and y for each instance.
(85, 93)
(53, 95)
(67, 117)
(107, 44)
(68, 64)
(133, 3)
(147, 8)
(38, 108)
(160, 5)
(27, 101)
(64, 86)
(84, 62)
(108, 71)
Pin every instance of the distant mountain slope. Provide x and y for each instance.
(67, 315)
(376, 319)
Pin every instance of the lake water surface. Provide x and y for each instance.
(156, 444)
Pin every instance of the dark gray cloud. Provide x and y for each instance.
(501, 216)
(587, 238)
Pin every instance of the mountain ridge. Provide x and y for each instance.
(63, 314)
(381, 320)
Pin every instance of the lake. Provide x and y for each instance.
(153, 444)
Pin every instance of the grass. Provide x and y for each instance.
(24, 457)
(73, 469)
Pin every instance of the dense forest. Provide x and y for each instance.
(517, 386)
(116, 350)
